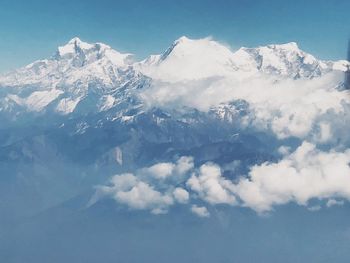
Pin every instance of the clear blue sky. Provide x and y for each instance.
(31, 30)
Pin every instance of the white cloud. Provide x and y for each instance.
(299, 108)
(184, 165)
(306, 174)
(284, 150)
(124, 181)
(139, 190)
(129, 190)
(174, 171)
(200, 211)
(160, 170)
(211, 186)
(143, 196)
(181, 195)
(333, 202)
(325, 132)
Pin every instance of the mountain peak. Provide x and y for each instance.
(73, 46)
(186, 47)
(182, 39)
(82, 53)
(176, 44)
(192, 59)
(74, 40)
(292, 46)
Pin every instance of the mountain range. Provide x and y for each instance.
(90, 120)
(71, 121)
(79, 72)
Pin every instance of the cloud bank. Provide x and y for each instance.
(305, 175)
(302, 108)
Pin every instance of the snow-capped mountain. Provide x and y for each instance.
(88, 112)
(188, 59)
(286, 60)
(75, 71)
(92, 77)
(74, 62)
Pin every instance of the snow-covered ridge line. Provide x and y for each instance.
(79, 70)
(204, 55)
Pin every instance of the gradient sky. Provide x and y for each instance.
(31, 30)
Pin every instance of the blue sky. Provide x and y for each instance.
(31, 30)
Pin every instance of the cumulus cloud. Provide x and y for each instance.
(301, 176)
(160, 170)
(184, 165)
(211, 186)
(181, 195)
(150, 188)
(129, 190)
(200, 211)
(173, 171)
(143, 196)
(334, 202)
(284, 150)
(306, 174)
